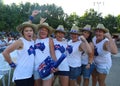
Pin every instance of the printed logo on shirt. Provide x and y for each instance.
(69, 49)
(31, 50)
(60, 48)
(95, 51)
(40, 46)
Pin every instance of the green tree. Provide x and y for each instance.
(110, 22)
(90, 17)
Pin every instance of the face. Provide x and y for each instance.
(28, 33)
(74, 37)
(43, 33)
(99, 34)
(86, 34)
(59, 36)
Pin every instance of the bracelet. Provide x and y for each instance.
(31, 18)
(12, 64)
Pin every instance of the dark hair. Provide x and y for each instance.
(89, 39)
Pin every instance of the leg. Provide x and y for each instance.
(101, 79)
(79, 80)
(47, 82)
(86, 82)
(94, 78)
(64, 80)
(72, 82)
(38, 82)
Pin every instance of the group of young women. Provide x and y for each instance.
(85, 56)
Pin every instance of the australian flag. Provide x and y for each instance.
(44, 68)
(31, 50)
(60, 48)
(69, 49)
(40, 46)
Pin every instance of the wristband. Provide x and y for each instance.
(31, 18)
(12, 64)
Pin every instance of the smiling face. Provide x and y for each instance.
(43, 33)
(99, 34)
(28, 33)
(74, 37)
(59, 36)
(86, 34)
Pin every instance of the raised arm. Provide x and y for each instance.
(110, 45)
(85, 45)
(34, 13)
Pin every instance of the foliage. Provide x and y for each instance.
(13, 15)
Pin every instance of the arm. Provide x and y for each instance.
(85, 45)
(91, 55)
(34, 13)
(110, 45)
(52, 51)
(6, 53)
(42, 20)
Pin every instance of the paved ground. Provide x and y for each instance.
(113, 78)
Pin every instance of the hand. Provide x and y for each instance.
(53, 70)
(35, 12)
(42, 20)
(107, 35)
(83, 38)
(88, 66)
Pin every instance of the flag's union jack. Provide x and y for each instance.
(31, 50)
(42, 66)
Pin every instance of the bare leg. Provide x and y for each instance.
(86, 82)
(94, 78)
(47, 82)
(101, 79)
(72, 83)
(38, 82)
(79, 80)
(64, 80)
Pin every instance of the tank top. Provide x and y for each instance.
(103, 58)
(60, 47)
(84, 58)
(74, 57)
(24, 60)
(42, 52)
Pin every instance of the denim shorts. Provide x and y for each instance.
(74, 73)
(37, 76)
(87, 72)
(62, 73)
(103, 70)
